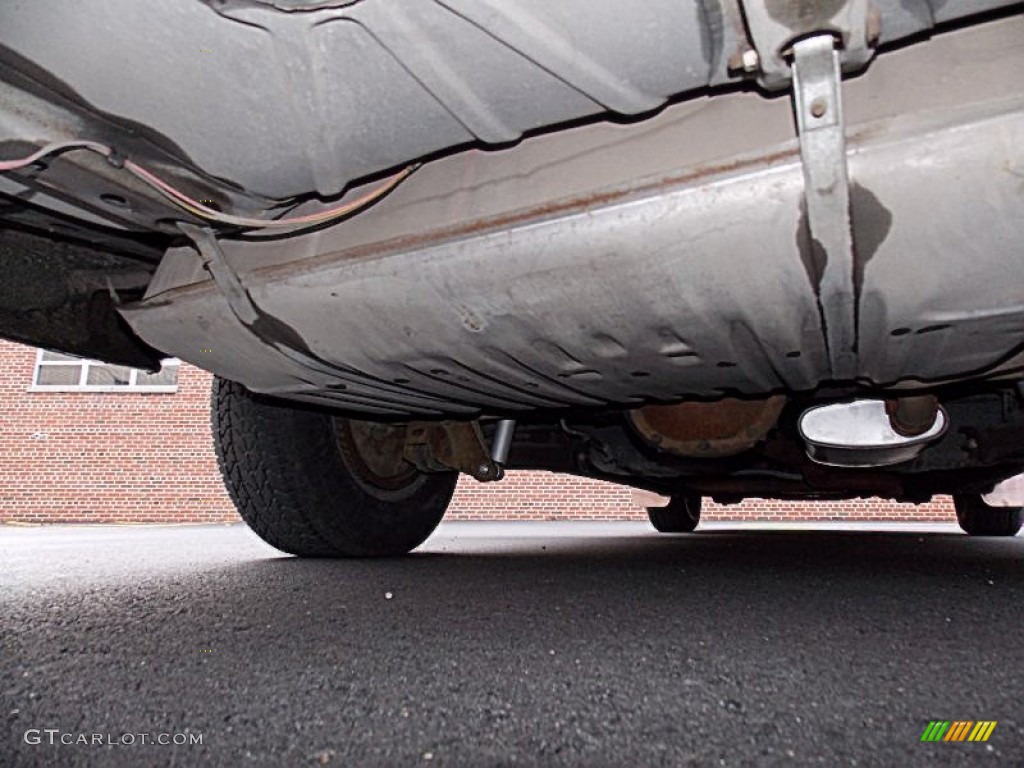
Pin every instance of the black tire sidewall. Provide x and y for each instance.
(681, 515)
(283, 469)
(977, 518)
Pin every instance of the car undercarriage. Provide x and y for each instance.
(715, 248)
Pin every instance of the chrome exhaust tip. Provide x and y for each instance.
(860, 434)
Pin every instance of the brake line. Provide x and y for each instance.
(199, 210)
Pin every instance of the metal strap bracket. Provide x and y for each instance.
(224, 276)
(819, 115)
(809, 45)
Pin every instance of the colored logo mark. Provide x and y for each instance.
(958, 730)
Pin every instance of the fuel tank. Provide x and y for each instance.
(612, 265)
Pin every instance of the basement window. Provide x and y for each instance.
(57, 372)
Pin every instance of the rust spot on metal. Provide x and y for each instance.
(503, 222)
(708, 430)
(374, 452)
(912, 416)
(446, 445)
(569, 206)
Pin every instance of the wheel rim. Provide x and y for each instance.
(373, 455)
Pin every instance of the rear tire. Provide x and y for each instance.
(979, 519)
(682, 515)
(286, 471)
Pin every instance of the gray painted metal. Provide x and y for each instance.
(775, 26)
(602, 265)
(285, 102)
(579, 270)
(818, 104)
(292, 97)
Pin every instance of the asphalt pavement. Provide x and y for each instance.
(531, 644)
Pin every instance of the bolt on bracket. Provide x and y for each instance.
(773, 28)
(446, 445)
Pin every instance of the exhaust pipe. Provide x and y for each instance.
(861, 434)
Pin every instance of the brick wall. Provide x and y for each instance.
(547, 496)
(120, 457)
(133, 458)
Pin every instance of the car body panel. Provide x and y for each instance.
(535, 278)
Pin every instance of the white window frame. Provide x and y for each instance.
(132, 387)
